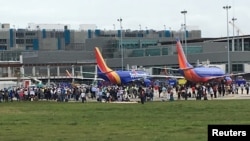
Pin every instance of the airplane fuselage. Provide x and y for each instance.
(124, 76)
(121, 77)
(202, 74)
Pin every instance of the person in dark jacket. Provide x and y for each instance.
(142, 95)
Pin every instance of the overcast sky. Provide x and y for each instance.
(206, 15)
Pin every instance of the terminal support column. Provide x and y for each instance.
(58, 71)
(48, 74)
(33, 71)
(9, 72)
(73, 73)
(21, 71)
(81, 71)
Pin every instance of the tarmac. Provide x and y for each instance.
(164, 98)
(227, 96)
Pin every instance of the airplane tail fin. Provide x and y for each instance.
(101, 64)
(182, 60)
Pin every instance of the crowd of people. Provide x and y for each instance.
(109, 93)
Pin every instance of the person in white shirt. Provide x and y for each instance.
(83, 96)
(26, 94)
(211, 92)
(32, 94)
(242, 87)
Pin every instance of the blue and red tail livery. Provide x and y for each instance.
(104, 71)
(199, 74)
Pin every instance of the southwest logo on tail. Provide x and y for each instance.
(199, 74)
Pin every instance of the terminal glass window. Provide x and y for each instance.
(3, 41)
(237, 68)
(194, 49)
(19, 34)
(146, 44)
(59, 34)
(237, 45)
(130, 44)
(153, 52)
(246, 45)
(30, 34)
(29, 41)
(3, 47)
(137, 53)
(10, 55)
(19, 41)
(164, 51)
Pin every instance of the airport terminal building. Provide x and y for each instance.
(50, 49)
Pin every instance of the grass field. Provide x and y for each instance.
(153, 121)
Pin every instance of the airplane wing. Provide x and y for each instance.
(87, 72)
(237, 74)
(97, 73)
(229, 75)
(186, 68)
(166, 76)
(35, 79)
(165, 68)
(90, 78)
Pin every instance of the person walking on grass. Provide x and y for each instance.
(142, 95)
(83, 97)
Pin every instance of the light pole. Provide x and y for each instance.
(228, 49)
(170, 32)
(184, 12)
(233, 47)
(171, 35)
(120, 20)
